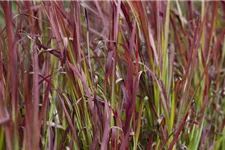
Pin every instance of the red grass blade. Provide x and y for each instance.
(176, 136)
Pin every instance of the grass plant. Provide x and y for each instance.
(117, 75)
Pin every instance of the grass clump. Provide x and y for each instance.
(112, 75)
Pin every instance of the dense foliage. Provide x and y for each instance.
(112, 75)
